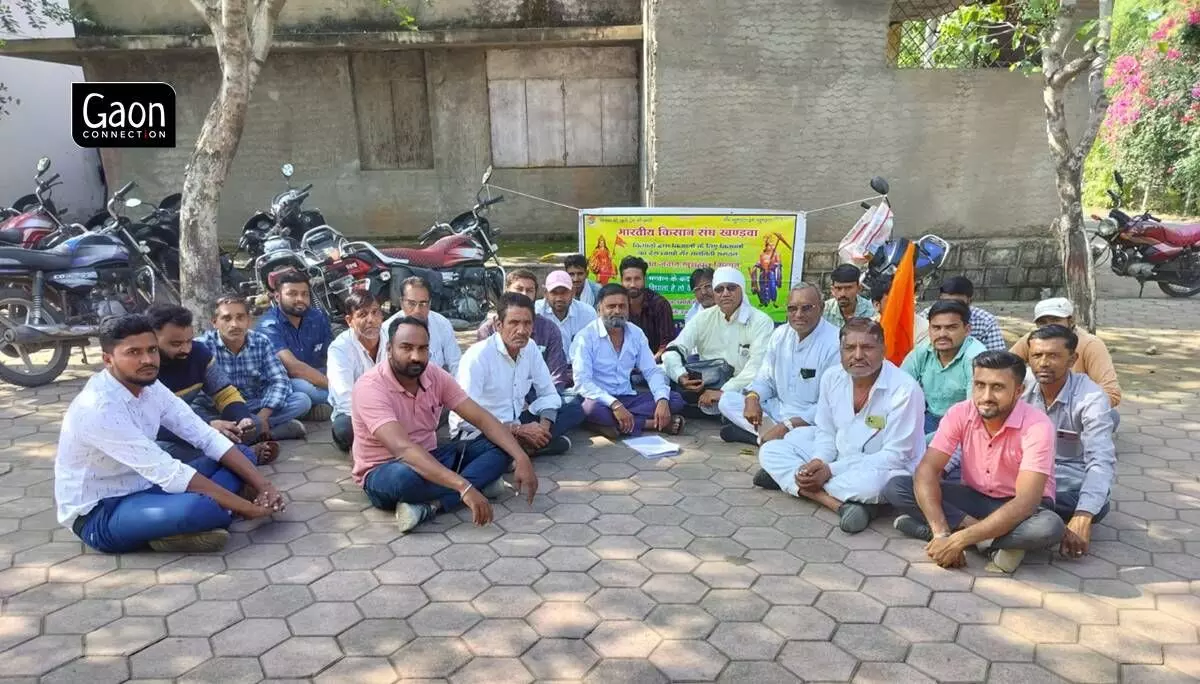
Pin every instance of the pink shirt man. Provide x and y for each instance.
(379, 399)
(990, 463)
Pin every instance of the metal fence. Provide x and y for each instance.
(949, 34)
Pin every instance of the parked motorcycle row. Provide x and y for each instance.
(59, 280)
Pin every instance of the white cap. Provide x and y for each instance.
(728, 275)
(1059, 307)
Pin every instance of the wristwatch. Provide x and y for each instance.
(789, 424)
(941, 535)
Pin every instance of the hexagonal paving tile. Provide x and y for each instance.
(507, 601)
(746, 641)
(300, 657)
(124, 637)
(444, 619)
(947, 662)
(40, 655)
(500, 638)
(203, 618)
(391, 601)
(559, 659)
(688, 660)
(850, 606)
(324, 619)
(170, 657)
(623, 639)
(563, 620)
(815, 660)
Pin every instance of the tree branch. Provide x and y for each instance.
(1069, 71)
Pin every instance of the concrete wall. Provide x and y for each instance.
(40, 125)
(303, 111)
(782, 104)
(179, 16)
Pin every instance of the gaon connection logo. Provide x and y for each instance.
(133, 114)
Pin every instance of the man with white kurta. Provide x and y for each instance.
(868, 428)
(733, 331)
(354, 352)
(416, 300)
(498, 373)
(783, 396)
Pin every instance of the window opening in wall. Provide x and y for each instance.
(950, 34)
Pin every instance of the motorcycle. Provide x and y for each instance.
(29, 224)
(871, 241)
(1144, 248)
(285, 211)
(453, 260)
(52, 300)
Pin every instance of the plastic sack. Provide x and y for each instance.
(871, 231)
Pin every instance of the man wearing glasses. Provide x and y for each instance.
(783, 396)
(701, 284)
(867, 430)
(414, 302)
(733, 331)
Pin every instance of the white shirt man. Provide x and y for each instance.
(789, 378)
(500, 383)
(560, 306)
(732, 330)
(350, 356)
(856, 452)
(443, 345)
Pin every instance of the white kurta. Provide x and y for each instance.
(863, 450)
(741, 341)
(499, 383)
(789, 378)
(443, 345)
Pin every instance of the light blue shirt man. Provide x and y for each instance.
(602, 373)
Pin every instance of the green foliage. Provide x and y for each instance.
(403, 13)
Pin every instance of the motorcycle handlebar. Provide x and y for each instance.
(494, 200)
(120, 194)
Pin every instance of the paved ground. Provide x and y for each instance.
(624, 570)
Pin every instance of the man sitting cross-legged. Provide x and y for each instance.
(1005, 502)
(354, 352)
(603, 357)
(941, 364)
(783, 396)
(187, 368)
(397, 462)
(732, 331)
(301, 334)
(546, 335)
(248, 359)
(501, 373)
(116, 489)
(867, 430)
(1085, 461)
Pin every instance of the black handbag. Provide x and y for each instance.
(714, 373)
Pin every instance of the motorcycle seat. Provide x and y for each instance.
(1182, 236)
(11, 236)
(34, 260)
(433, 256)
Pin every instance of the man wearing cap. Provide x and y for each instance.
(561, 307)
(783, 396)
(733, 331)
(1091, 356)
(846, 301)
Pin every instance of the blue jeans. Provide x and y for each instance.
(317, 395)
(931, 423)
(480, 463)
(296, 405)
(187, 453)
(124, 524)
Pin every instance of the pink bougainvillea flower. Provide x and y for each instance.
(1193, 16)
(1174, 53)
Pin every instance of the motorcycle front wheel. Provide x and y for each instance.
(1177, 290)
(28, 365)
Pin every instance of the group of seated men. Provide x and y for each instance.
(967, 444)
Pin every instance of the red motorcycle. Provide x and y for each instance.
(33, 226)
(453, 261)
(1143, 247)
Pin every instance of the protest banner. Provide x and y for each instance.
(766, 246)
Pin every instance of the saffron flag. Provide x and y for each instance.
(899, 313)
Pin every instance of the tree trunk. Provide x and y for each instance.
(1078, 272)
(242, 31)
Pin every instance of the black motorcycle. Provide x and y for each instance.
(285, 218)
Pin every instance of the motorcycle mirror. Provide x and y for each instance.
(879, 185)
(287, 170)
(43, 165)
(133, 202)
(1119, 179)
(1112, 194)
(487, 175)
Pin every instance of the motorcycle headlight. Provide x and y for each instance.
(1108, 227)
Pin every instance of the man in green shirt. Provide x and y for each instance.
(846, 301)
(942, 363)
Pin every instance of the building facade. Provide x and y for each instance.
(758, 103)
